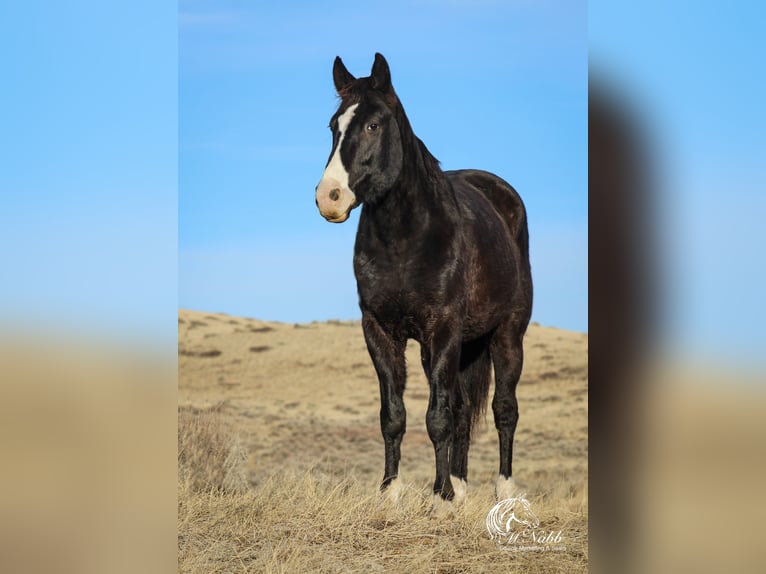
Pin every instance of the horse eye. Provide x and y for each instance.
(372, 126)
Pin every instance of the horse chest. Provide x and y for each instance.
(404, 292)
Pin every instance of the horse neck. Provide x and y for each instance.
(421, 196)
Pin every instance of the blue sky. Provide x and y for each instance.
(500, 86)
(88, 175)
(697, 85)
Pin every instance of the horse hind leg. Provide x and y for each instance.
(507, 357)
(469, 403)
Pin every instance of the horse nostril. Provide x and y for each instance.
(335, 194)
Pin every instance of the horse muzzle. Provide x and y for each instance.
(334, 200)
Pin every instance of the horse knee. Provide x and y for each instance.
(506, 414)
(393, 421)
(439, 425)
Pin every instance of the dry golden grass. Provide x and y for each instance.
(305, 407)
(315, 523)
(210, 456)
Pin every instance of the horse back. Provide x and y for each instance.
(503, 198)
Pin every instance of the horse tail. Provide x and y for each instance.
(511, 208)
(522, 231)
(521, 238)
(474, 377)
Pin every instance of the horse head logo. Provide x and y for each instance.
(502, 516)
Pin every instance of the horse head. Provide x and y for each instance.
(366, 157)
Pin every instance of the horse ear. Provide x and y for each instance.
(340, 75)
(381, 75)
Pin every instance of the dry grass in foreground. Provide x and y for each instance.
(313, 523)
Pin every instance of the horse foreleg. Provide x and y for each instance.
(387, 356)
(445, 359)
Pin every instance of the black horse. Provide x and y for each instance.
(440, 257)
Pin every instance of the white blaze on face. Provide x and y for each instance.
(335, 169)
(334, 197)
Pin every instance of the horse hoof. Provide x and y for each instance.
(505, 488)
(393, 492)
(442, 508)
(460, 487)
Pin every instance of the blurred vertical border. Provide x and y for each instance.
(677, 142)
(88, 343)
